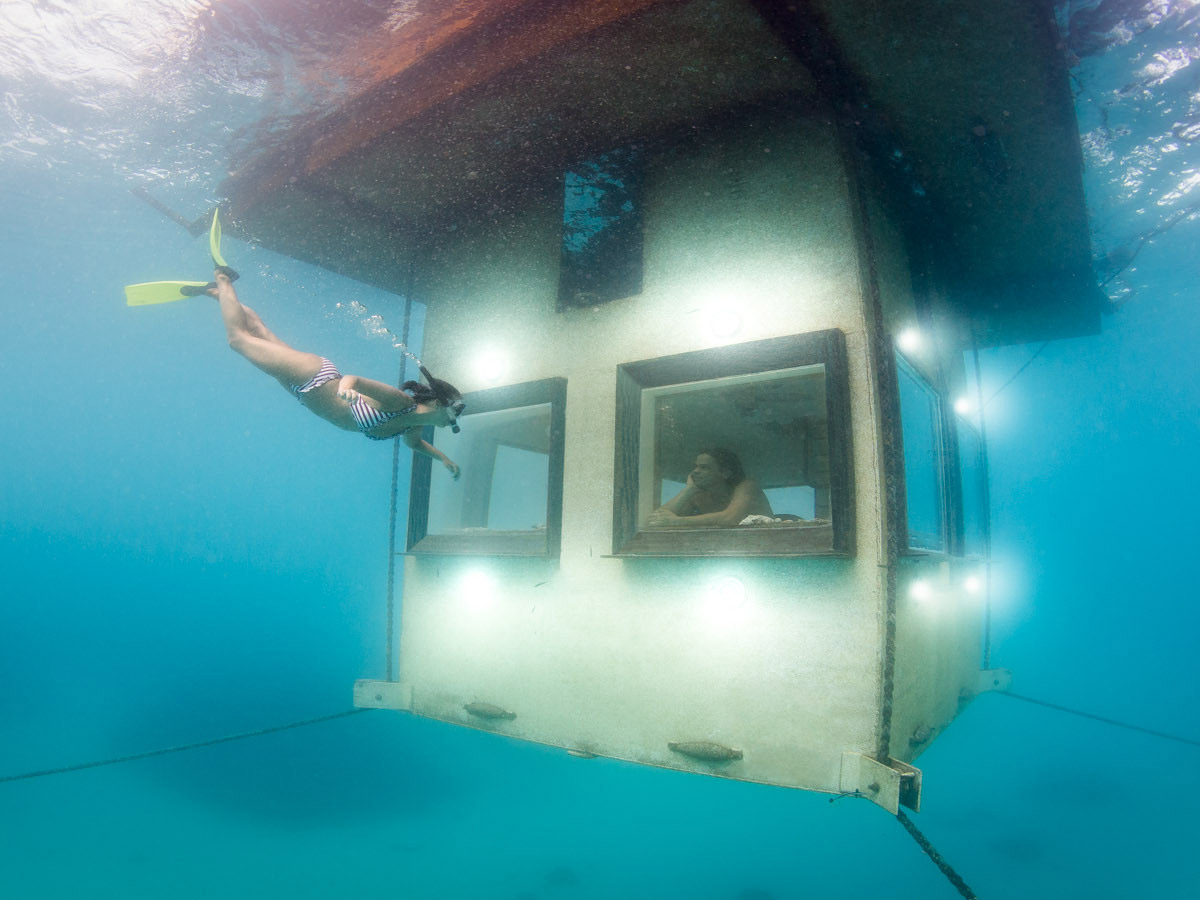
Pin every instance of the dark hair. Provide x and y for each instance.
(728, 462)
(433, 392)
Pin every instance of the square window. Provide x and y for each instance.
(508, 501)
(762, 432)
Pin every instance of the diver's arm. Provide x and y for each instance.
(382, 396)
(413, 439)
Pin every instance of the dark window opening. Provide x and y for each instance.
(601, 256)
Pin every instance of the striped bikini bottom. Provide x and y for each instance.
(325, 374)
(365, 416)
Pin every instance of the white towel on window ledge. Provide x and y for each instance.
(782, 520)
(759, 520)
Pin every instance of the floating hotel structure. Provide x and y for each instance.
(672, 225)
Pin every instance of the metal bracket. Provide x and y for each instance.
(382, 695)
(993, 680)
(890, 786)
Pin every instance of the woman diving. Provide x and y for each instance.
(373, 408)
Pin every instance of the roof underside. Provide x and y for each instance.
(475, 107)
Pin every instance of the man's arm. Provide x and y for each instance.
(744, 500)
(382, 396)
(676, 507)
(681, 502)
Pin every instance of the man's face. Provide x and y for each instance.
(705, 473)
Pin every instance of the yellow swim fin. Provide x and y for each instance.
(214, 239)
(151, 292)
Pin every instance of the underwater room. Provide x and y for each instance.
(760, 397)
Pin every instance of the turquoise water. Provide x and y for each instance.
(186, 554)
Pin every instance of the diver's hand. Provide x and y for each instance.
(349, 395)
(452, 468)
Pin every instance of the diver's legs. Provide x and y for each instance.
(257, 326)
(245, 332)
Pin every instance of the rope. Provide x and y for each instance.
(1075, 712)
(1017, 374)
(389, 650)
(930, 851)
(1145, 237)
(165, 750)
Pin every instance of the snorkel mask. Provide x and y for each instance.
(453, 402)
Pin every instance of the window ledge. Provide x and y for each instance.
(744, 540)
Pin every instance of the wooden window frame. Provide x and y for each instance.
(827, 348)
(544, 544)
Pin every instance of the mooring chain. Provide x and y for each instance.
(938, 860)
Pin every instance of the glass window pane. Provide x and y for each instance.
(518, 501)
(799, 499)
(505, 459)
(922, 459)
(775, 423)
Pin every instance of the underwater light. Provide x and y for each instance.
(729, 590)
(909, 340)
(491, 365)
(723, 321)
(963, 406)
(725, 602)
(920, 590)
(972, 584)
(478, 588)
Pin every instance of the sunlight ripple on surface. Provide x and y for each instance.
(100, 41)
